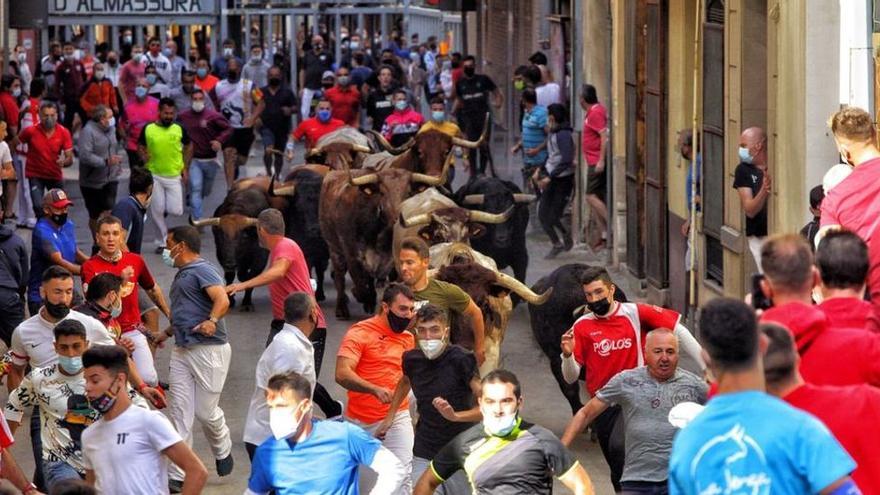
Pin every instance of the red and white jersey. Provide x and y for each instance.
(6, 439)
(607, 346)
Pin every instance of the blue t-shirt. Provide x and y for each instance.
(133, 216)
(326, 462)
(689, 182)
(533, 134)
(46, 240)
(750, 442)
(191, 305)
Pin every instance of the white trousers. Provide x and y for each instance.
(399, 440)
(196, 377)
(143, 358)
(167, 199)
(755, 247)
(306, 104)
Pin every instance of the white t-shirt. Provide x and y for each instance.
(126, 452)
(32, 339)
(64, 411)
(547, 94)
(5, 157)
(290, 350)
(162, 64)
(236, 102)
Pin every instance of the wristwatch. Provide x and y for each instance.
(213, 320)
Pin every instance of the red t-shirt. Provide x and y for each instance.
(607, 346)
(130, 319)
(848, 312)
(296, 279)
(345, 104)
(43, 151)
(10, 109)
(313, 129)
(595, 122)
(457, 74)
(850, 413)
(855, 205)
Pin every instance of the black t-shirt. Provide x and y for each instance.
(474, 93)
(750, 176)
(447, 376)
(315, 65)
(272, 116)
(522, 463)
(380, 106)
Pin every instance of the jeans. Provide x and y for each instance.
(609, 432)
(202, 172)
(399, 440)
(56, 471)
(167, 199)
(553, 202)
(38, 189)
(645, 488)
(457, 484)
(11, 313)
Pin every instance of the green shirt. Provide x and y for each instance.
(455, 301)
(165, 147)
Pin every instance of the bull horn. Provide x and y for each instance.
(205, 222)
(524, 198)
(387, 146)
(361, 148)
(363, 180)
(473, 199)
(486, 217)
(288, 190)
(436, 181)
(314, 151)
(250, 222)
(522, 290)
(420, 219)
(464, 143)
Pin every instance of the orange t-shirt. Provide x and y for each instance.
(379, 355)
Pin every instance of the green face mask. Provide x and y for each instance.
(519, 85)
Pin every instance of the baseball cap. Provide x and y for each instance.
(56, 198)
(328, 74)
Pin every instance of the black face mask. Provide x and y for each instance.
(166, 123)
(327, 85)
(274, 81)
(59, 219)
(233, 75)
(388, 61)
(397, 323)
(187, 88)
(57, 311)
(192, 59)
(470, 71)
(111, 61)
(600, 307)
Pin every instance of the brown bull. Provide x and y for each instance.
(357, 212)
(343, 148)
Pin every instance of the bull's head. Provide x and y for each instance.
(338, 155)
(233, 234)
(454, 224)
(302, 190)
(496, 201)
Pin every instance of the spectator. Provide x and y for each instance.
(132, 210)
(297, 455)
(777, 445)
(314, 63)
(111, 68)
(345, 98)
(274, 120)
(7, 173)
(547, 93)
(23, 69)
(70, 75)
(48, 64)
(100, 164)
(183, 94)
(158, 89)
(842, 261)
(240, 102)
(403, 123)
(444, 379)
(556, 179)
(221, 62)
(472, 94)
(14, 275)
(201, 355)
(208, 130)
(167, 151)
(788, 283)
(690, 152)
(23, 212)
(533, 143)
(809, 231)
(360, 70)
(379, 102)
(256, 69)
(844, 410)
(416, 76)
(154, 57)
(139, 111)
(204, 79)
(50, 148)
(752, 182)
(99, 91)
(178, 64)
(595, 142)
(131, 73)
(370, 371)
(355, 46)
(10, 92)
(851, 204)
(312, 129)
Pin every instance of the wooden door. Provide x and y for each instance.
(635, 132)
(656, 230)
(713, 141)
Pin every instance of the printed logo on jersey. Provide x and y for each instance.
(732, 463)
(605, 346)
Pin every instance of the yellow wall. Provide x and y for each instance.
(680, 101)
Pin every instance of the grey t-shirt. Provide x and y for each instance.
(646, 403)
(190, 304)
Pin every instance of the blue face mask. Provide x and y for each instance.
(167, 258)
(324, 115)
(151, 78)
(439, 116)
(744, 155)
(400, 105)
(140, 91)
(201, 73)
(72, 365)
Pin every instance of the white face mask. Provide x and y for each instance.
(499, 426)
(198, 106)
(432, 347)
(282, 422)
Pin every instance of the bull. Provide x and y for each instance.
(358, 209)
(234, 225)
(459, 264)
(301, 192)
(344, 147)
(552, 319)
(504, 242)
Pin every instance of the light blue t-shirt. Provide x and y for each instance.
(326, 462)
(753, 443)
(533, 134)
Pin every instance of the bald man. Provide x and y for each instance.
(646, 394)
(752, 183)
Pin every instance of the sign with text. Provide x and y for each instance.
(132, 7)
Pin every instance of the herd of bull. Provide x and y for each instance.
(356, 208)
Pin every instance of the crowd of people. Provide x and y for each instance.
(787, 387)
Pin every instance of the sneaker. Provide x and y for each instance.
(175, 486)
(554, 252)
(224, 466)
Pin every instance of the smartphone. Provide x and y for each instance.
(759, 300)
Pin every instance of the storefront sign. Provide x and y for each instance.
(132, 7)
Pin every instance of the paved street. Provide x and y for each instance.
(543, 402)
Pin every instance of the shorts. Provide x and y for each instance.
(241, 139)
(99, 199)
(145, 304)
(596, 182)
(274, 138)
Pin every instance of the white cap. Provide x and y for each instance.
(328, 74)
(835, 176)
(683, 413)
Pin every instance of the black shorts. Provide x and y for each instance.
(596, 182)
(241, 140)
(99, 199)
